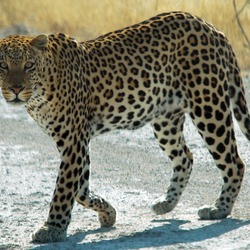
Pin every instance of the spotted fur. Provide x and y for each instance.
(152, 72)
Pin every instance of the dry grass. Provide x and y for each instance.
(86, 19)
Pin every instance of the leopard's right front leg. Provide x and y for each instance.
(55, 228)
(72, 169)
(72, 183)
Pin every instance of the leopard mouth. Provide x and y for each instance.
(16, 97)
(17, 100)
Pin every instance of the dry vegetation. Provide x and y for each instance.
(86, 19)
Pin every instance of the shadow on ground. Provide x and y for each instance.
(168, 234)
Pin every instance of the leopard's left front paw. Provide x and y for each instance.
(107, 217)
(48, 234)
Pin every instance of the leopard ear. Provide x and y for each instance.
(40, 42)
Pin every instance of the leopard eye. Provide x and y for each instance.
(3, 65)
(29, 66)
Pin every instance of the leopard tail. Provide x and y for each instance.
(237, 96)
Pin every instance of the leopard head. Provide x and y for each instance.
(21, 66)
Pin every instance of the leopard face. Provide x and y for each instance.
(21, 64)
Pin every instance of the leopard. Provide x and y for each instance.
(158, 71)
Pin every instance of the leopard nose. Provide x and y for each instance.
(17, 89)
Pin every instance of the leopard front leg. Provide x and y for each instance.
(55, 228)
(106, 213)
(72, 169)
(72, 183)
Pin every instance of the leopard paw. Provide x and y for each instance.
(162, 206)
(212, 213)
(49, 233)
(107, 217)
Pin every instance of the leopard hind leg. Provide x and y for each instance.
(218, 134)
(169, 133)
